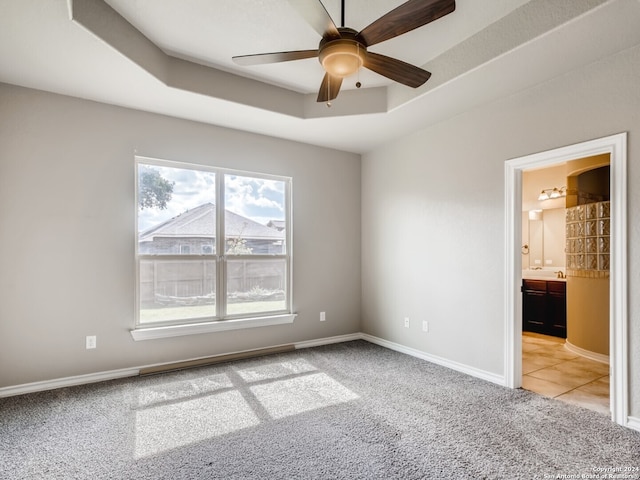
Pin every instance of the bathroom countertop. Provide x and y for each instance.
(543, 277)
(528, 274)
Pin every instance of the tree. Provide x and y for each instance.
(238, 245)
(154, 191)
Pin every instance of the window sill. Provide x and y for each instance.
(150, 333)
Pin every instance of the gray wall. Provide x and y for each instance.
(67, 215)
(433, 212)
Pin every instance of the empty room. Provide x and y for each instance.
(319, 239)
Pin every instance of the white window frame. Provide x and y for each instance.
(220, 321)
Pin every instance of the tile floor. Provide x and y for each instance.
(551, 370)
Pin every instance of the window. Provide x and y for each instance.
(212, 244)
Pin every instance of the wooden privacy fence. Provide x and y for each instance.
(193, 282)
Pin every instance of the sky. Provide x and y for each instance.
(258, 199)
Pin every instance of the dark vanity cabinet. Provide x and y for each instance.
(544, 307)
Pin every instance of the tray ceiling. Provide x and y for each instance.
(173, 57)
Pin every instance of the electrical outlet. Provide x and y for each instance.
(425, 326)
(323, 316)
(91, 341)
(406, 322)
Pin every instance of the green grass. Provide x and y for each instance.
(148, 315)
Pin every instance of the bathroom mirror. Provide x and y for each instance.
(536, 239)
(543, 231)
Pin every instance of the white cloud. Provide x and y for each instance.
(259, 199)
(255, 198)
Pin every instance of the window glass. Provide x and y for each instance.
(176, 210)
(176, 290)
(255, 286)
(183, 266)
(254, 216)
(176, 217)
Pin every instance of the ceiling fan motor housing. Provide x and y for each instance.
(341, 57)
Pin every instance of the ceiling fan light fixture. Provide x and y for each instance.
(343, 57)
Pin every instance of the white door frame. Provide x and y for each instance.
(616, 146)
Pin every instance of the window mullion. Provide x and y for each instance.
(221, 290)
(288, 244)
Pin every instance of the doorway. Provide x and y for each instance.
(615, 146)
(565, 340)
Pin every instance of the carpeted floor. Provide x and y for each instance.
(352, 410)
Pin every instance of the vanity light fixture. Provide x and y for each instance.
(555, 192)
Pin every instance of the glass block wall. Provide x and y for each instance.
(588, 234)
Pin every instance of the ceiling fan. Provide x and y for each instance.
(342, 50)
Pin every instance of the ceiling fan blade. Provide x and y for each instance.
(396, 70)
(264, 58)
(316, 15)
(403, 19)
(329, 88)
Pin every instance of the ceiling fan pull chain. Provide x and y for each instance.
(329, 93)
(358, 84)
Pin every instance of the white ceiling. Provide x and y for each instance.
(212, 32)
(481, 52)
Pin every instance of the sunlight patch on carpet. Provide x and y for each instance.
(179, 424)
(180, 413)
(293, 396)
(276, 370)
(170, 391)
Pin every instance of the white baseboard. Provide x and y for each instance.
(459, 367)
(67, 382)
(598, 357)
(633, 423)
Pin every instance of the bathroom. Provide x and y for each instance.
(565, 271)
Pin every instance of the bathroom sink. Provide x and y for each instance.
(530, 274)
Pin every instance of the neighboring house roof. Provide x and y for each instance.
(201, 222)
(277, 224)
